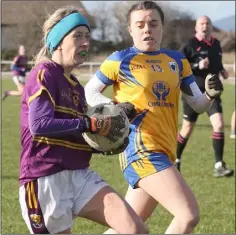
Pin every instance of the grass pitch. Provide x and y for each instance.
(216, 197)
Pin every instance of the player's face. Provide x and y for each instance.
(75, 46)
(146, 29)
(21, 50)
(204, 27)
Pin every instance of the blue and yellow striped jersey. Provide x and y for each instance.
(151, 81)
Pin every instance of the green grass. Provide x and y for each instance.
(216, 197)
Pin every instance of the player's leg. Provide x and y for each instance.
(233, 129)
(100, 203)
(168, 187)
(215, 113)
(189, 121)
(19, 81)
(142, 203)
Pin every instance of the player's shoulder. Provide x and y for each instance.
(16, 58)
(216, 41)
(45, 70)
(177, 55)
(48, 66)
(119, 55)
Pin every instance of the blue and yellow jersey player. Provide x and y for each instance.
(149, 79)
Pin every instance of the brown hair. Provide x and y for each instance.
(146, 5)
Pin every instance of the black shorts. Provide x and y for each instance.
(190, 115)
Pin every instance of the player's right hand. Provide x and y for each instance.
(213, 86)
(109, 126)
(204, 63)
(127, 107)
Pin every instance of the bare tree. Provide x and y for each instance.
(103, 17)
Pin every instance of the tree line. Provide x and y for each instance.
(109, 31)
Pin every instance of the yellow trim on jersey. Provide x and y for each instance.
(143, 167)
(110, 69)
(40, 76)
(186, 71)
(73, 83)
(64, 143)
(38, 93)
(63, 109)
(138, 145)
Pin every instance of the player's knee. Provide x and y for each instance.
(133, 225)
(138, 228)
(218, 126)
(187, 128)
(191, 219)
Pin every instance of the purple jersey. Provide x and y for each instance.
(19, 66)
(41, 155)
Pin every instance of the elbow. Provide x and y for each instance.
(34, 131)
(36, 128)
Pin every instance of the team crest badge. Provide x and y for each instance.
(173, 67)
(36, 220)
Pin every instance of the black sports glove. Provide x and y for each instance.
(213, 86)
(109, 126)
(119, 150)
(128, 109)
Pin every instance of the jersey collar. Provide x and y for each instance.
(146, 52)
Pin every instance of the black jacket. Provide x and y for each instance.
(196, 50)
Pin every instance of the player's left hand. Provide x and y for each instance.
(119, 150)
(213, 86)
(224, 74)
(128, 109)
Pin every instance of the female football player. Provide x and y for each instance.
(149, 79)
(56, 184)
(19, 68)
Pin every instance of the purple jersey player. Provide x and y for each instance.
(56, 184)
(18, 68)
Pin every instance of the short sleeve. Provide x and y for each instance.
(186, 69)
(109, 70)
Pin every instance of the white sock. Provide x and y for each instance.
(218, 164)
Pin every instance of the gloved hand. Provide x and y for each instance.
(213, 86)
(104, 125)
(119, 150)
(128, 109)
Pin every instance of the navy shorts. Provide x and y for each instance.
(190, 115)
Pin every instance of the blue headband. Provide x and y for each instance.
(63, 27)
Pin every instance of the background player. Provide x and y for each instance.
(150, 78)
(56, 184)
(19, 68)
(204, 54)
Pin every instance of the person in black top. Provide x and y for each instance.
(204, 53)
